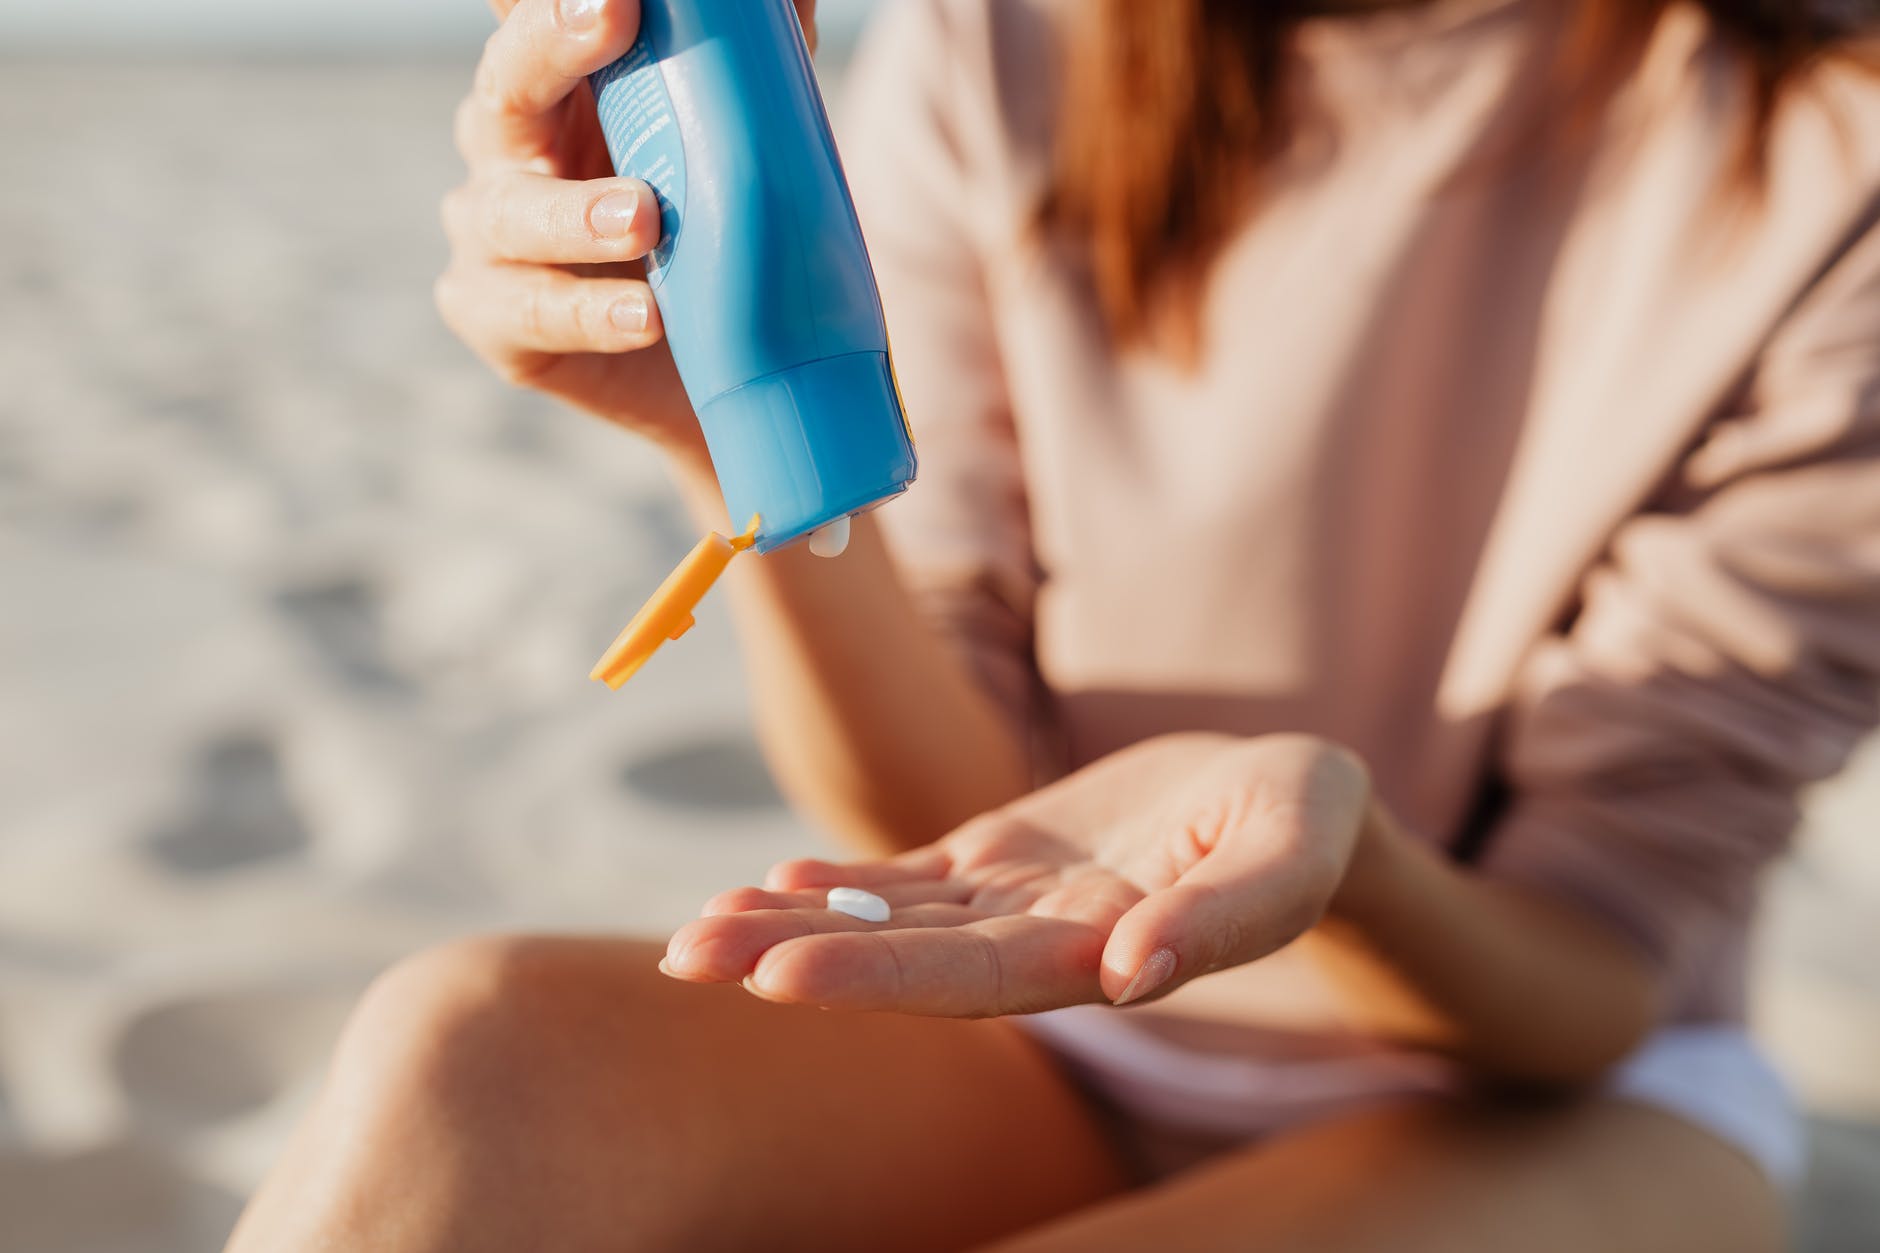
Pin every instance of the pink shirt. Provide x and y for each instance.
(1546, 481)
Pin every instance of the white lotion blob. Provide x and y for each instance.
(859, 904)
(831, 540)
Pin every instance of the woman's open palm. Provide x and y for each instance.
(1180, 856)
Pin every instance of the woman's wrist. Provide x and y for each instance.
(692, 473)
(1373, 875)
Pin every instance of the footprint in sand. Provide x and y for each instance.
(722, 772)
(239, 812)
(341, 620)
(204, 1060)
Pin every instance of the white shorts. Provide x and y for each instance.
(1712, 1076)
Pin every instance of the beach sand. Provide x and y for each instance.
(298, 609)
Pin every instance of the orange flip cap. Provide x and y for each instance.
(668, 614)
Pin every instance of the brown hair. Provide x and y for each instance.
(1171, 107)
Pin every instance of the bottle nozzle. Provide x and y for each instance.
(667, 615)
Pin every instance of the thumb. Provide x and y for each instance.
(1233, 907)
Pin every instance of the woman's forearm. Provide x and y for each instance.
(871, 723)
(1521, 987)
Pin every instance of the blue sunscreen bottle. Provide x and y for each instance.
(762, 281)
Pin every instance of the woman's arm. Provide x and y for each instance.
(1432, 954)
(871, 722)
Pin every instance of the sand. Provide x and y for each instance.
(298, 606)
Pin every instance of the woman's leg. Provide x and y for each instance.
(562, 1094)
(1451, 1178)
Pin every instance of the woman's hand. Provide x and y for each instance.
(545, 281)
(1177, 857)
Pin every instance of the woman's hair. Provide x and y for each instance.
(1171, 107)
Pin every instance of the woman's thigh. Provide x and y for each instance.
(1449, 1177)
(561, 1093)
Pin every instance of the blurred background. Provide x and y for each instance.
(297, 605)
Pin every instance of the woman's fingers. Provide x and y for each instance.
(727, 947)
(518, 215)
(806, 14)
(542, 51)
(512, 314)
(1006, 965)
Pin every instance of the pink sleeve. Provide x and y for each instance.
(920, 131)
(1726, 651)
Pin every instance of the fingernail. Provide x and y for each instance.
(612, 215)
(629, 313)
(675, 959)
(579, 14)
(1154, 973)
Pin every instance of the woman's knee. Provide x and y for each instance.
(471, 1071)
(465, 1037)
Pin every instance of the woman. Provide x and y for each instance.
(1408, 474)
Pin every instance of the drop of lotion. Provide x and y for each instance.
(831, 540)
(859, 904)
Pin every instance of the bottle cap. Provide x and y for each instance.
(668, 614)
(809, 444)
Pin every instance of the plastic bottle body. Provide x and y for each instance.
(761, 275)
